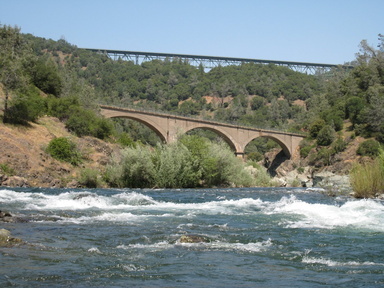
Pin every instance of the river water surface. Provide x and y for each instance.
(129, 238)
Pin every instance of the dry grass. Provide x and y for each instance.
(367, 179)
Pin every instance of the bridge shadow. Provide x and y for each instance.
(273, 164)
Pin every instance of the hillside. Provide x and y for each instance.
(22, 149)
(23, 154)
(53, 90)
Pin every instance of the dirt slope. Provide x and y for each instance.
(22, 149)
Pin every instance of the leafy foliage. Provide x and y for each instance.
(45, 76)
(6, 169)
(369, 147)
(65, 150)
(197, 162)
(135, 169)
(90, 178)
(367, 179)
(315, 127)
(83, 122)
(325, 136)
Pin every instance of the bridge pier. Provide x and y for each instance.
(240, 155)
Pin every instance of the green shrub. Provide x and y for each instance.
(63, 149)
(354, 107)
(262, 178)
(369, 148)
(180, 165)
(4, 167)
(304, 151)
(46, 77)
(324, 155)
(368, 179)
(62, 107)
(222, 167)
(339, 145)
(89, 178)
(175, 167)
(135, 169)
(300, 170)
(315, 127)
(27, 107)
(336, 122)
(295, 183)
(84, 122)
(255, 156)
(102, 129)
(325, 136)
(125, 140)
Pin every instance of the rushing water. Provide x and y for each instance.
(129, 238)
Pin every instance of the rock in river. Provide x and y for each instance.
(6, 239)
(7, 217)
(194, 239)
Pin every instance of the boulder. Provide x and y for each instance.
(15, 181)
(279, 182)
(330, 180)
(73, 184)
(6, 239)
(194, 239)
(7, 217)
(3, 177)
(55, 183)
(294, 178)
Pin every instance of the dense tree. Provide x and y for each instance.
(325, 136)
(14, 54)
(46, 77)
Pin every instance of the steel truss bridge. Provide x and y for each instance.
(215, 61)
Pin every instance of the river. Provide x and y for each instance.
(260, 237)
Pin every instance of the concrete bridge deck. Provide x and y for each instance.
(169, 127)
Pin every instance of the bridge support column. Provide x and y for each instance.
(240, 155)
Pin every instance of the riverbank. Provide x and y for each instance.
(24, 162)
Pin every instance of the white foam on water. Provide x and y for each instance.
(10, 196)
(332, 263)
(241, 247)
(74, 200)
(365, 214)
(251, 247)
(225, 207)
(106, 217)
(132, 267)
(94, 250)
(193, 225)
(135, 199)
(163, 245)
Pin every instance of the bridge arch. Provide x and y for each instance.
(275, 139)
(227, 138)
(150, 124)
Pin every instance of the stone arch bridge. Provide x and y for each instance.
(169, 127)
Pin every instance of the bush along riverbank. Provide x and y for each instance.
(38, 156)
(367, 179)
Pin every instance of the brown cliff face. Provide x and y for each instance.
(22, 150)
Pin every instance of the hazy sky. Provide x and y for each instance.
(318, 31)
